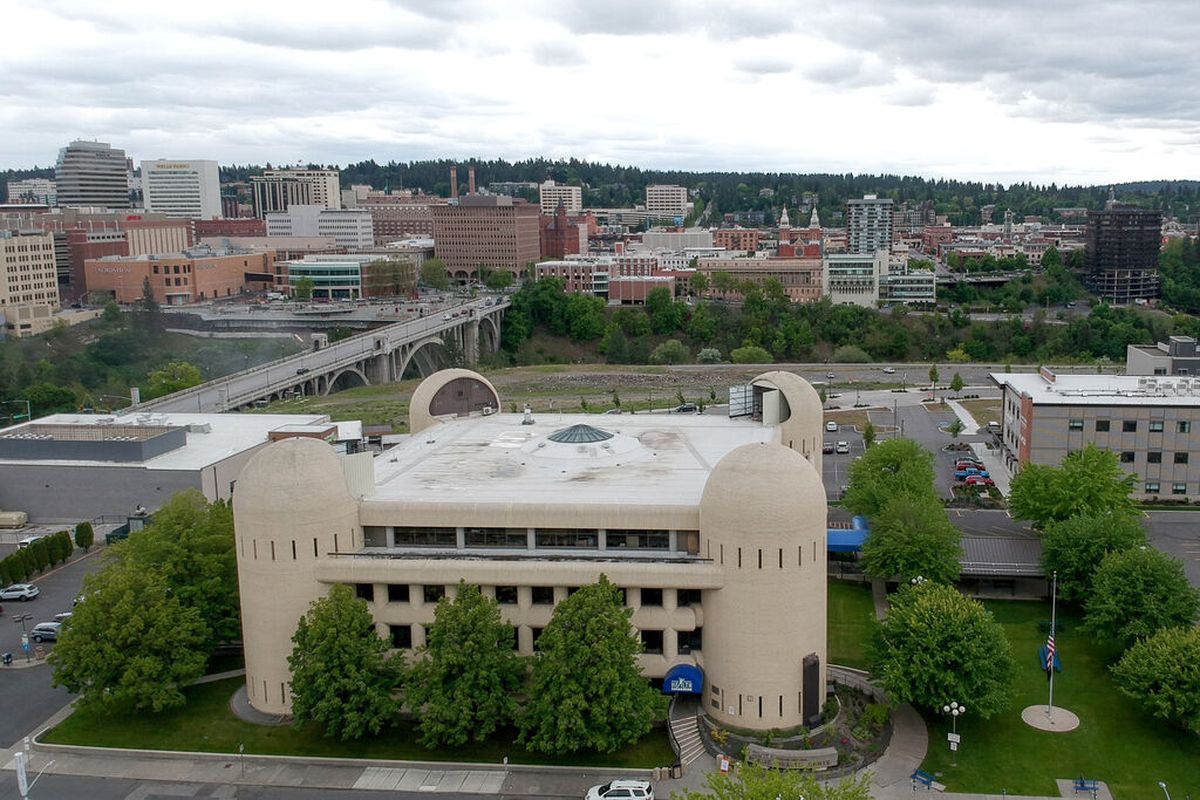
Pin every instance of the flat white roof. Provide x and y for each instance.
(652, 459)
(1103, 390)
(229, 435)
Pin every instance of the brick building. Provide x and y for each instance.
(494, 232)
(801, 277)
(744, 239)
(560, 236)
(242, 226)
(181, 278)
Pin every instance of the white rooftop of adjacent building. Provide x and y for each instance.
(1103, 390)
(653, 459)
(211, 437)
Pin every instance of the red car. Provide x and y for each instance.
(978, 480)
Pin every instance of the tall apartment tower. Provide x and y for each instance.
(550, 194)
(92, 174)
(666, 201)
(182, 189)
(870, 225)
(1121, 259)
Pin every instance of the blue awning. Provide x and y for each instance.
(683, 679)
(840, 540)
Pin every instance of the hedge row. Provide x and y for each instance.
(40, 554)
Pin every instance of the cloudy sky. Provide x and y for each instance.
(1067, 91)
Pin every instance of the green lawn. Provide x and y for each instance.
(207, 725)
(1116, 742)
(850, 613)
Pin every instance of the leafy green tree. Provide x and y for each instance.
(616, 347)
(749, 781)
(1089, 482)
(584, 317)
(911, 537)
(933, 374)
(750, 354)
(708, 355)
(672, 351)
(699, 284)
(434, 274)
(303, 287)
(85, 536)
(587, 690)
(342, 677)
(147, 314)
(1138, 592)
(173, 377)
(868, 434)
(956, 384)
(46, 398)
(131, 644)
(937, 645)
(1162, 674)
(500, 279)
(889, 469)
(464, 686)
(955, 428)
(851, 354)
(1075, 547)
(666, 315)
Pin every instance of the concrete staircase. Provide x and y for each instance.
(686, 731)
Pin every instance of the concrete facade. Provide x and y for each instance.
(92, 175)
(351, 228)
(182, 189)
(664, 201)
(870, 225)
(550, 194)
(28, 270)
(1178, 355)
(1152, 424)
(494, 232)
(714, 528)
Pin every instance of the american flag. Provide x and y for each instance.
(1050, 651)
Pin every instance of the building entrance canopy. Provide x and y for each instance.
(683, 679)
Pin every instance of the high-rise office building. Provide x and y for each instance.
(278, 189)
(551, 194)
(1121, 260)
(351, 228)
(870, 225)
(183, 189)
(92, 174)
(489, 231)
(664, 201)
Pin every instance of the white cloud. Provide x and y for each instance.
(1023, 91)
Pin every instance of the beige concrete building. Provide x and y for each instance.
(28, 281)
(713, 527)
(665, 201)
(1151, 423)
(550, 194)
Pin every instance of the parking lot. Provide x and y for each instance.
(58, 588)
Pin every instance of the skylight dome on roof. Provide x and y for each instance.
(579, 434)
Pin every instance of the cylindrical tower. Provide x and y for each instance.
(450, 393)
(802, 416)
(762, 521)
(291, 508)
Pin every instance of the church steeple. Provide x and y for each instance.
(815, 221)
(784, 222)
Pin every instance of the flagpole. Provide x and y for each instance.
(1050, 655)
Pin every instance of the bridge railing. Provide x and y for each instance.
(335, 355)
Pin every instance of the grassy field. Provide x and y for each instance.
(1116, 742)
(984, 411)
(850, 613)
(207, 725)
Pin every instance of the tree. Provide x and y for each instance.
(912, 537)
(173, 377)
(434, 274)
(1075, 547)
(465, 685)
(498, 280)
(672, 351)
(1089, 482)
(131, 644)
(1138, 592)
(889, 469)
(1162, 674)
(708, 355)
(147, 315)
(868, 434)
(955, 428)
(587, 690)
(46, 398)
(699, 284)
(935, 645)
(342, 677)
(84, 535)
(750, 781)
(666, 316)
(851, 354)
(956, 384)
(750, 354)
(303, 287)
(584, 317)
(933, 375)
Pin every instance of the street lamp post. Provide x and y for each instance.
(1162, 785)
(954, 710)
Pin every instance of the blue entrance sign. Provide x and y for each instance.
(683, 679)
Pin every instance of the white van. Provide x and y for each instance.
(28, 540)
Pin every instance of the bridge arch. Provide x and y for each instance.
(423, 356)
(347, 378)
(489, 335)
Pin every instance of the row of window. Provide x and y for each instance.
(168, 269)
(1153, 487)
(518, 538)
(1154, 457)
(686, 642)
(1130, 425)
(507, 595)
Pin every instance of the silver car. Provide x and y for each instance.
(45, 632)
(19, 591)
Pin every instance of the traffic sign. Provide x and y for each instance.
(954, 746)
(953, 738)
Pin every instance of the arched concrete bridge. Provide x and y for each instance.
(380, 356)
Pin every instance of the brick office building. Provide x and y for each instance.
(181, 278)
(494, 232)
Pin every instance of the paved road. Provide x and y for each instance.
(1177, 533)
(59, 588)
(75, 786)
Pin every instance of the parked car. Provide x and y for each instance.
(686, 408)
(889, 370)
(63, 617)
(831, 426)
(622, 790)
(963, 464)
(843, 447)
(19, 591)
(827, 447)
(963, 474)
(830, 375)
(45, 632)
(978, 480)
